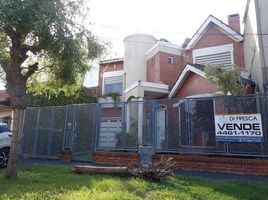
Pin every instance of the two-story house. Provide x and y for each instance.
(155, 69)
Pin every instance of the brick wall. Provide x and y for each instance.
(108, 67)
(194, 85)
(161, 71)
(111, 112)
(219, 164)
(153, 69)
(119, 158)
(214, 37)
(254, 166)
(170, 72)
(234, 22)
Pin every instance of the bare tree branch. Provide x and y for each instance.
(31, 70)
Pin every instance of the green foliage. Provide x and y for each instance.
(115, 96)
(33, 30)
(51, 95)
(58, 182)
(43, 29)
(44, 90)
(225, 79)
(131, 137)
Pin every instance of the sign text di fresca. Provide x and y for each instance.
(238, 128)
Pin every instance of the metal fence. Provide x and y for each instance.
(177, 126)
(190, 125)
(43, 131)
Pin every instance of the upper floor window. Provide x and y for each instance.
(113, 88)
(113, 82)
(153, 62)
(215, 55)
(171, 60)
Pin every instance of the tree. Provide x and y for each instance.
(31, 30)
(51, 95)
(226, 80)
(185, 43)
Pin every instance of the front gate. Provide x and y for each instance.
(43, 131)
(47, 131)
(80, 130)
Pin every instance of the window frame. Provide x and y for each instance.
(170, 60)
(213, 51)
(112, 74)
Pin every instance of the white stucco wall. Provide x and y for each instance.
(251, 44)
(263, 18)
(255, 28)
(136, 46)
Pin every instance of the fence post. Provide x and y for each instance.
(123, 124)
(265, 107)
(50, 130)
(226, 111)
(97, 128)
(36, 131)
(73, 145)
(65, 128)
(188, 125)
(152, 133)
(22, 134)
(262, 108)
(140, 121)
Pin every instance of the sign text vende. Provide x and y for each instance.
(238, 128)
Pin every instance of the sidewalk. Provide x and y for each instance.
(198, 174)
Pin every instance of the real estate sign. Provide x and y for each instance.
(238, 128)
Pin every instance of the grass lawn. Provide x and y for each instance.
(58, 182)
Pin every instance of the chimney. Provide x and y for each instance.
(234, 22)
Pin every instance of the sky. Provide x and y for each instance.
(174, 20)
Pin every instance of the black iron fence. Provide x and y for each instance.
(187, 125)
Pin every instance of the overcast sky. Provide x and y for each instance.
(175, 20)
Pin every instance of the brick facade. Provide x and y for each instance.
(115, 65)
(194, 85)
(111, 112)
(118, 158)
(214, 37)
(234, 22)
(236, 165)
(253, 166)
(160, 71)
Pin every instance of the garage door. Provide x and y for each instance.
(109, 129)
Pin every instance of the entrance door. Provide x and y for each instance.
(81, 129)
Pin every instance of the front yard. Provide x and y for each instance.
(58, 182)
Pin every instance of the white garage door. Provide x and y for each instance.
(108, 131)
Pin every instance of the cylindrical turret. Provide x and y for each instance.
(136, 46)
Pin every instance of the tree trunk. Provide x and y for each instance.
(11, 171)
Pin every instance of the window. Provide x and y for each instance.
(113, 88)
(113, 84)
(215, 55)
(153, 62)
(219, 58)
(170, 60)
